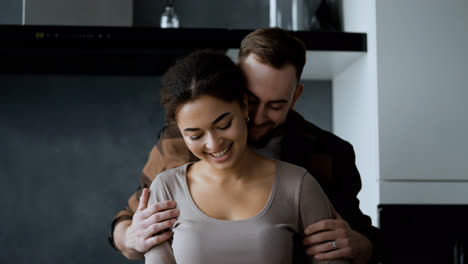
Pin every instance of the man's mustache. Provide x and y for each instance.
(266, 124)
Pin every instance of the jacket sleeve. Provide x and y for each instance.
(343, 192)
(331, 161)
(169, 152)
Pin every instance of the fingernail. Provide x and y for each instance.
(307, 231)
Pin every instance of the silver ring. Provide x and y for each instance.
(334, 245)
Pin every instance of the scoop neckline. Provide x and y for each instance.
(212, 219)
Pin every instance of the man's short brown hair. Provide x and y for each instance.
(274, 47)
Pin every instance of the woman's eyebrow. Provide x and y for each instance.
(191, 129)
(220, 118)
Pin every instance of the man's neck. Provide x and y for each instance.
(274, 133)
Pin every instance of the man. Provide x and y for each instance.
(272, 61)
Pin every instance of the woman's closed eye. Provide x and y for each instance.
(196, 137)
(226, 126)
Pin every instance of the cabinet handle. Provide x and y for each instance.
(456, 255)
(462, 254)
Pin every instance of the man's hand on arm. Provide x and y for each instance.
(147, 227)
(348, 243)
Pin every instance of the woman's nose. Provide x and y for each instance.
(213, 141)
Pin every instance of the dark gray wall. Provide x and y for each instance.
(315, 103)
(73, 148)
(11, 12)
(72, 151)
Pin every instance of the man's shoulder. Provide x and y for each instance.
(303, 131)
(172, 149)
(170, 131)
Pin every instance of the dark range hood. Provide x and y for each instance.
(130, 50)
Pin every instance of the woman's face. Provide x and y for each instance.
(214, 130)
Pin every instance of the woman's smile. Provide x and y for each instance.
(221, 155)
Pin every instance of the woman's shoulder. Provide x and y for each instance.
(169, 184)
(289, 178)
(289, 169)
(295, 171)
(297, 179)
(170, 177)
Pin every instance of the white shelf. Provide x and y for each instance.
(420, 192)
(321, 65)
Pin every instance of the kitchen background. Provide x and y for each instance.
(74, 145)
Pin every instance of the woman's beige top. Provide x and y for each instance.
(296, 201)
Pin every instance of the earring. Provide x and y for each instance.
(247, 119)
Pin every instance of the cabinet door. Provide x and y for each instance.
(422, 76)
(424, 233)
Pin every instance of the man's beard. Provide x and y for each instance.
(263, 141)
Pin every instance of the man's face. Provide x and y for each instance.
(272, 92)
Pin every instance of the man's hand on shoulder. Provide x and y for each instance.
(148, 227)
(334, 239)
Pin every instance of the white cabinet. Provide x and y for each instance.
(403, 104)
(423, 77)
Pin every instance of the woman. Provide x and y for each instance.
(235, 206)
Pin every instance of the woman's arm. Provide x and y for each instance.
(314, 207)
(170, 151)
(161, 253)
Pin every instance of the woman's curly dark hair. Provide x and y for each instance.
(201, 73)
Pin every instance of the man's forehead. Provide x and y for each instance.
(271, 90)
(254, 64)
